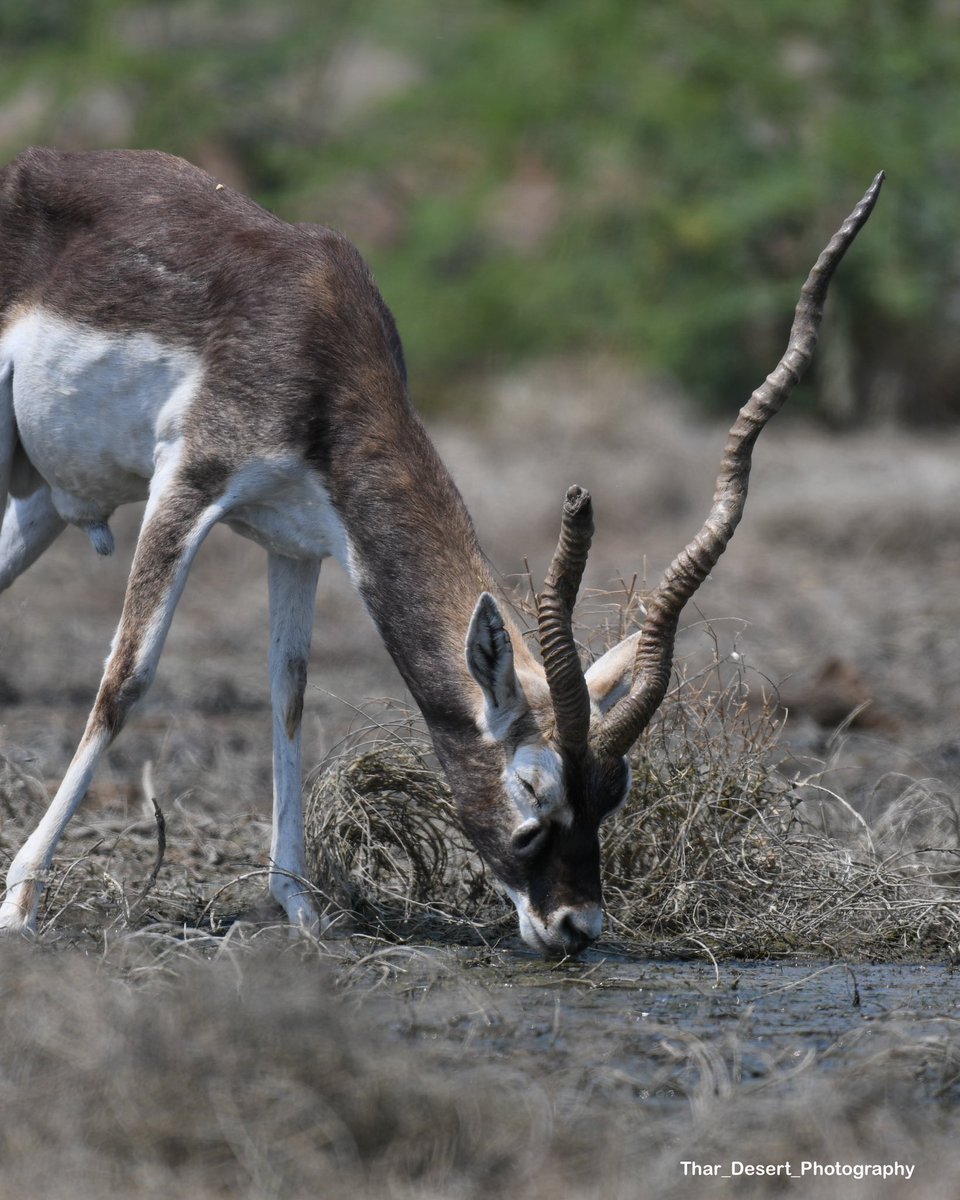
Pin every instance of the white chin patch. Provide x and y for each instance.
(541, 937)
(529, 925)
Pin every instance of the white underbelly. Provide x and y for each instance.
(93, 409)
(95, 413)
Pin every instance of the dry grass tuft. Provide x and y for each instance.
(384, 843)
(721, 845)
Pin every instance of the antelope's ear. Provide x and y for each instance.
(490, 661)
(609, 678)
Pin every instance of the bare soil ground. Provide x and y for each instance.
(140, 1057)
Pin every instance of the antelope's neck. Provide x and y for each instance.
(415, 559)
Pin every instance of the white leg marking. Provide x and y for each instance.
(293, 587)
(18, 912)
(29, 526)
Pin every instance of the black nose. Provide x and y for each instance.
(573, 933)
(574, 939)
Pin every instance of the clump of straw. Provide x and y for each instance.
(383, 837)
(719, 845)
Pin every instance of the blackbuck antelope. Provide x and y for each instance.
(164, 338)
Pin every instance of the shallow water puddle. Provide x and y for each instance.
(670, 1031)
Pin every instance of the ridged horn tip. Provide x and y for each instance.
(561, 661)
(578, 506)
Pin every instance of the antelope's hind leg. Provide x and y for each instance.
(28, 520)
(293, 588)
(29, 527)
(176, 521)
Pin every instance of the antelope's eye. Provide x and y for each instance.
(528, 788)
(528, 839)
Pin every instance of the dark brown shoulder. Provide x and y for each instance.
(343, 303)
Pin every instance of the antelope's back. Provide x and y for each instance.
(133, 239)
(286, 317)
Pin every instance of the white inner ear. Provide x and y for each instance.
(609, 678)
(489, 654)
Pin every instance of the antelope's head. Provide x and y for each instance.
(560, 736)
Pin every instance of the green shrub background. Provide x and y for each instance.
(533, 178)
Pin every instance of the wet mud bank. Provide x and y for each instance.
(671, 1033)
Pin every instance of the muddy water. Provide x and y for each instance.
(668, 1033)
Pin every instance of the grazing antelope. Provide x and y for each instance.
(163, 337)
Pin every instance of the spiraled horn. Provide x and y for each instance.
(555, 603)
(625, 722)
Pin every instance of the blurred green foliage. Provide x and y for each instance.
(531, 178)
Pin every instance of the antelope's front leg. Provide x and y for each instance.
(293, 587)
(175, 525)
